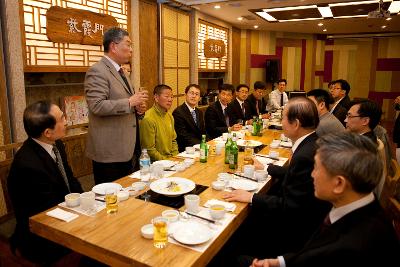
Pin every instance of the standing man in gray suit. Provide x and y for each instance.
(113, 139)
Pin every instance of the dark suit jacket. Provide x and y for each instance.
(215, 120)
(292, 202)
(252, 102)
(396, 131)
(372, 136)
(363, 237)
(345, 102)
(35, 184)
(235, 112)
(188, 133)
(340, 113)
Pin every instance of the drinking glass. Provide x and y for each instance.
(248, 156)
(160, 237)
(111, 200)
(88, 202)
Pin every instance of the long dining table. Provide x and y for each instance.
(115, 239)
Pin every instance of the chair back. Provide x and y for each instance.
(382, 154)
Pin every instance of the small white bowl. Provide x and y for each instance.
(260, 175)
(217, 211)
(73, 200)
(122, 195)
(218, 185)
(180, 167)
(188, 162)
(147, 231)
(137, 186)
(190, 150)
(170, 215)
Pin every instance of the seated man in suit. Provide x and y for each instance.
(278, 98)
(157, 132)
(328, 123)
(256, 101)
(189, 121)
(39, 179)
(362, 118)
(340, 93)
(291, 197)
(216, 117)
(356, 231)
(238, 109)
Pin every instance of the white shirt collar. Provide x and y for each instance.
(336, 103)
(189, 107)
(47, 147)
(240, 101)
(115, 64)
(298, 141)
(222, 105)
(336, 213)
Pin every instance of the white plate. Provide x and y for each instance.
(166, 163)
(160, 186)
(286, 144)
(243, 184)
(192, 233)
(101, 188)
(250, 143)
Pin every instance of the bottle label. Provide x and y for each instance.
(144, 162)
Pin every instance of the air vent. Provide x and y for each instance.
(235, 4)
(249, 17)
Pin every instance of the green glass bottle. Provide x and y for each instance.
(228, 144)
(203, 149)
(260, 125)
(255, 126)
(233, 154)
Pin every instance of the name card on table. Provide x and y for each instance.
(76, 26)
(214, 48)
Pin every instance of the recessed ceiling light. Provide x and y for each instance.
(266, 16)
(324, 30)
(295, 15)
(320, 24)
(383, 26)
(394, 7)
(240, 18)
(255, 26)
(389, 19)
(217, 6)
(325, 11)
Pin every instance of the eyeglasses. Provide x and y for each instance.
(351, 116)
(193, 93)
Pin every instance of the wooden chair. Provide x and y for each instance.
(394, 210)
(381, 150)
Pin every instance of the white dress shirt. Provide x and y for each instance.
(47, 147)
(275, 99)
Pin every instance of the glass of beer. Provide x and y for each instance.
(248, 156)
(160, 238)
(111, 200)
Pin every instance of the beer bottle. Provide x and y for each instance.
(260, 125)
(255, 126)
(203, 149)
(233, 154)
(228, 148)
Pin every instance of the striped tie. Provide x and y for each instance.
(194, 116)
(61, 166)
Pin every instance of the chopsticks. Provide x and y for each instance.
(242, 176)
(266, 156)
(200, 217)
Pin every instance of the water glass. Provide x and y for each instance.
(156, 171)
(192, 203)
(88, 203)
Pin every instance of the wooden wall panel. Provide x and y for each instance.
(148, 33)
(236, 38)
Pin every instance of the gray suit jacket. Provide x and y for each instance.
(112, 123)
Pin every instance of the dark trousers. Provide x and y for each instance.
(111, 171)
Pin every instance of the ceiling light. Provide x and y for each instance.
(289, 8)
(383, 26)
(394, 7)
(325, 11)
(320, 24)
(354, 3)
(217, 6)
(255, 26)
(324, 30)
(287, 20)
(388, 19)
(266, 16)
(240, 18)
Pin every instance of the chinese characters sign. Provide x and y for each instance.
(69, 25)
(214, 48)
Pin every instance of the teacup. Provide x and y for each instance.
(73, 200)
(190, 150)
(260, 175)
(218, 185)
(248, 170)
(217, 211)
(171, 215)
(273, 154)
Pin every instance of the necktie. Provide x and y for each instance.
(121, 72)
(61, 166)
(194, 116)
(281, 99)
(257, 108)
(243, 110)
(226, 118)
(327, 220)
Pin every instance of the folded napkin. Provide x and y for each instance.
(137, 174)
(228, 206)
(62, 214)
(190, 156)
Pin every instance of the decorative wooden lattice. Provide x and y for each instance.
(211, 31)
(42, 54)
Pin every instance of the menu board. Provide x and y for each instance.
(76, 110)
